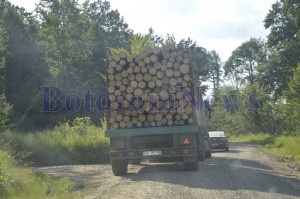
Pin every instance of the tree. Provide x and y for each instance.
(243, 63)
(201, 63)
(284, 46)
(215, 70)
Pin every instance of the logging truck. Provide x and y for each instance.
(154, 109)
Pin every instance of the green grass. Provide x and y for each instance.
(20, 182)
(285, 148)
(78, 142)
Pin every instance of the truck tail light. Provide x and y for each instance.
(186, 140)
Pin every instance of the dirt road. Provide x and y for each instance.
(243, 172)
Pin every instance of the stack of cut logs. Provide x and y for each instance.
(150, 89)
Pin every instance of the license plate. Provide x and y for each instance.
(149, 153)
(215, 144)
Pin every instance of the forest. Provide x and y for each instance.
(64, 44)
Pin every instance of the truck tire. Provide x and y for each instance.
(191, 166)
(201, 151)
(119, 167)
(208, 154)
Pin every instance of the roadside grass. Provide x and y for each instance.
(77, 142)
(20, 182)
(284, 148)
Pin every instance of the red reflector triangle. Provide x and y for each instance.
(186, 141)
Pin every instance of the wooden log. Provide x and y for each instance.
(154, 58)
(164, 94)
(170, 122)
(134, 120)
(110, 70)
(160, 74)
(139, 124)
(179, 59)
(122, 124)
(156, 50)
(117, 58)
(141, 64)
(111, 77)
(122, 88)
(119, 118)
(118, 77)
(151, 84)
(129, 124)
(125, 81)
(133, 84)
(129, 70)
(132, 64)
(142, 84)
(150, 117)
(147, 124)
(157, 65)
(117, 92)
(110, 89)
(138, 92)
(147, 77)
(113, 64)
(137, 69)
(176, 73)
(147, 60)
(190, 120)
(179, 80)
(173, 82)
(112, 120)
(115, 126)
(170, 65)
(141, 117)
(152, 71)
(144, 70)
(158, 117)
(176, 66)
(186, 60)
(118, 83)
(129, 90)
(187, 78)
(139, 77)
(188, 110)
(158, 83)
(123, 62)
(119, 68)
(169, 72)
(124, 73)
(166, 55)
(184, 68)
(129, 59)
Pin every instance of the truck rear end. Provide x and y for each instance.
(155, 110)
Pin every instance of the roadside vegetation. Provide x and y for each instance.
(284, 148)
(17, 181)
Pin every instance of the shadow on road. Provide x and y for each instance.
(222, 173)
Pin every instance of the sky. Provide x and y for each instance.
(220, 25)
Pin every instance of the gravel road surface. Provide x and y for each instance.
(243, 172)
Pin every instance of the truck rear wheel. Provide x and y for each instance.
(119, 167)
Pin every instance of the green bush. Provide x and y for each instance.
(19, 182)
(76, 142)
(285, 148)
